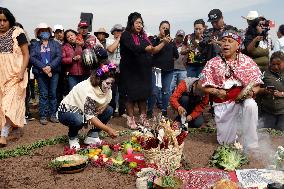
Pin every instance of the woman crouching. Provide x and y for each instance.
(87, 103)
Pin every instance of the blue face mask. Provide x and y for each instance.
(44, 35)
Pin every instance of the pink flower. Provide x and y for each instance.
(116, 147)
(104, 68)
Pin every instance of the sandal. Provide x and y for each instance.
(144, 121)
(131, 123)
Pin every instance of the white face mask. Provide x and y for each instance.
(106, 84)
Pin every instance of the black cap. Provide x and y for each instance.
(214, 15)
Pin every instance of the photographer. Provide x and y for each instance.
(211, 45)
(256, 42)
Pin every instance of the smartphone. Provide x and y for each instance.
(167, 32)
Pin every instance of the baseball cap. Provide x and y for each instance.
(116, 27)
(83, 24)
(180, 32)
(214, 15)
(58, 27)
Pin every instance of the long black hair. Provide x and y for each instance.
(252, 31)
(131, 19)
(10, 17)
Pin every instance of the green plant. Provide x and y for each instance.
(27, 149)
(228, 158)
(57, 164)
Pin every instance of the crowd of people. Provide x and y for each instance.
(86, 79)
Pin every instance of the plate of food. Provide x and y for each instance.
(245, 92)
(69, 163)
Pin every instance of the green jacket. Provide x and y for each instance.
(261, 57)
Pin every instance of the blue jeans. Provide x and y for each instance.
(194, 71)
(167, 77)
(178, 75)
(75, 121)
(75, 79)
(47, 94)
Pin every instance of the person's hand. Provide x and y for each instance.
(220, 93)
(49, 74)
(181, 111)
(189, 118)
(278, 94)
(112, 133)
(77, 57)
(258, 38)
(48, 68)
(167, 39)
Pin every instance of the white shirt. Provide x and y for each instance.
(115, 56)
(279, 45)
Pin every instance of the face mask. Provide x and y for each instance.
(106, 84)
(44, 35)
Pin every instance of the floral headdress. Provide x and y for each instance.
(105, 68)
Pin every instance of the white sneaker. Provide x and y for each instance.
(74, 143)
(90, 140)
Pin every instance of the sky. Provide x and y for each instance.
(180, 13)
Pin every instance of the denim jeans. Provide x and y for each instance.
(178, 75)
(184, 102)
(75, 79)
(75, 121)
(194, 71)
(47, 94)
(167, 77)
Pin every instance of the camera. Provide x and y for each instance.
(265, 27)
(167, 32)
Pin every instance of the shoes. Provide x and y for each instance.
(54, 119)
(43, 121)
(144, 121)
(91, 140)
(29, 117)
(74, 143)
(131, 123)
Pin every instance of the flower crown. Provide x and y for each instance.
(105, 68)
(233, 35)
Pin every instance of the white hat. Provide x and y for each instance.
(251, 15)
(58, 27)
(41, 26)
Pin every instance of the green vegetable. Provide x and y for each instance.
(228, 158)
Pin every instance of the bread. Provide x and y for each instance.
(225, 184)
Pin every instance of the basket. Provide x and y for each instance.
(161, 157)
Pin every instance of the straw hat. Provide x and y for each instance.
(251, 15)
(42, 26)
(101, 30)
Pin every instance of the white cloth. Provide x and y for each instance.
(237, 120)
(115, 56)
(85, 99)
(279, 45)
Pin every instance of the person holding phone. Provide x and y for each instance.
(273, 98)
(163, 60)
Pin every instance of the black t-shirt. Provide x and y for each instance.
(22, 39)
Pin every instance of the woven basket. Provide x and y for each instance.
(162, 157)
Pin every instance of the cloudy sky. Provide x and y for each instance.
(180, 13)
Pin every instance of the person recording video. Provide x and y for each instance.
(256, 42)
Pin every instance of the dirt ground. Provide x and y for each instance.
(32, 171)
